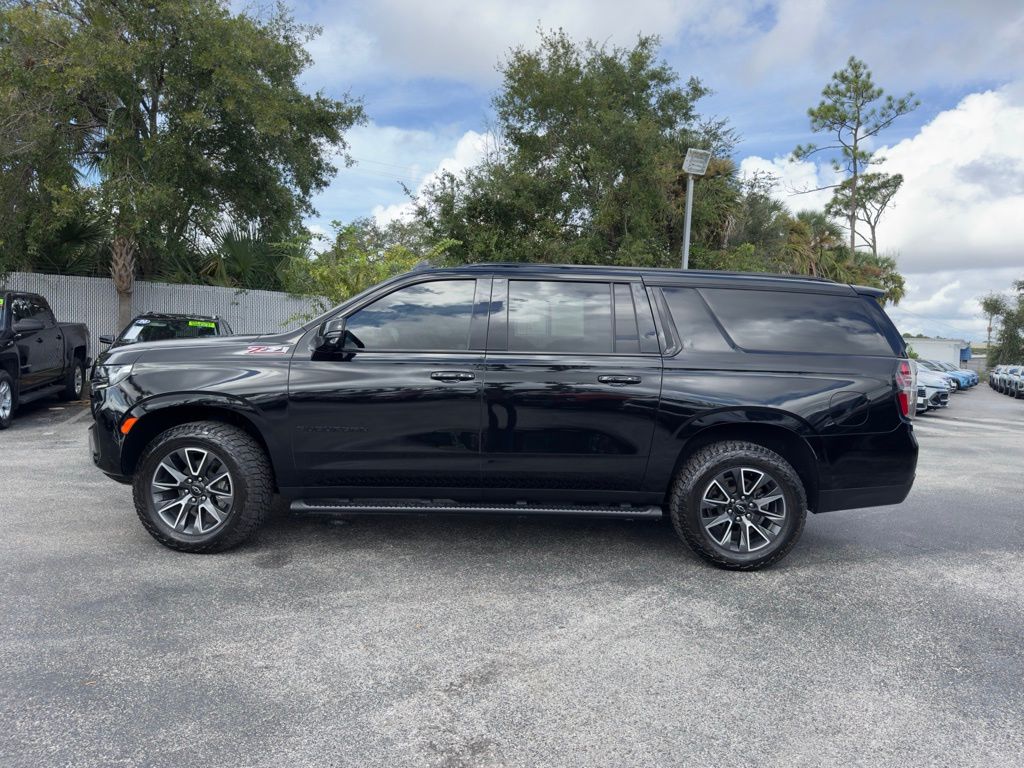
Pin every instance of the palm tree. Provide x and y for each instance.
(122, 272)
(824, 239)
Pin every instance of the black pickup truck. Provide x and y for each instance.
(731, 404)
(39, 357)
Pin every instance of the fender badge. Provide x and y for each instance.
(267, 349)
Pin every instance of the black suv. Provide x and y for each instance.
(732, 403)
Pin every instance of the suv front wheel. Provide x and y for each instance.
(203, 487)
(738, 505)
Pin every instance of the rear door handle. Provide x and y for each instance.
(619, 381)
(452, 376)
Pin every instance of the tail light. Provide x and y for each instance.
(906, 387)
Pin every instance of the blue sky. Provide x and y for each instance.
(426, 73)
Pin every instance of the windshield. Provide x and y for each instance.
(163, 328)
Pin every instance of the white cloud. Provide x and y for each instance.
(946, 303)
(466, 39)
(469, 150)
(389, 160)
(799, 184)
(962, 201)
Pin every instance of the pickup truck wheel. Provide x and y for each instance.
(74, 382)
(203, 487)
(738, 505)
(6, 399)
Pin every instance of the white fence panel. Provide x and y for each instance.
(93, 301)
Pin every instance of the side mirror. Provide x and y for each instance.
(28, 325)
(108, 340)
(333, 338)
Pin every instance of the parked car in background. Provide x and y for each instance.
(730, 403)
(39, 357)
(1002, 379)
(955, 382)
(162, 326)
(965, 378)
(993, 375)
(1014, 381)
(937, 388)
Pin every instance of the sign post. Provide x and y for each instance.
(694, 164)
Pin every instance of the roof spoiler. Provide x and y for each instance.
(867, 290)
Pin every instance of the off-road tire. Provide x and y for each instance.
(694, 476)
(70, 391)
(252, 477)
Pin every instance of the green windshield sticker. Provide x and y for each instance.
(201, 324)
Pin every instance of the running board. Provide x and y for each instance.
(446, 507)
(38, 394)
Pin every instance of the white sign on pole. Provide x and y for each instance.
(696, 161)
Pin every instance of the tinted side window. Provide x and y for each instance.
(778, 321)
(695, 328)
(433, 315)
(559, 316)
(41, 311)
(21, 308)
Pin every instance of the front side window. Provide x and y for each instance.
(426, 316)
(560, 316)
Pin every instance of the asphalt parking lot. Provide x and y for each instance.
(890, 636)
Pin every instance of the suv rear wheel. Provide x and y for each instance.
(203, 487)
(738, 505)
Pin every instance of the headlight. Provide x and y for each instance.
(104, 376)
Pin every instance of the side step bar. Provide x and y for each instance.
(446, 507)
(38, 394)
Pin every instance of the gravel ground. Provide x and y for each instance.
(889, 636)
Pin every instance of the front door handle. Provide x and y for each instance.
(619, 381)
(452, 376)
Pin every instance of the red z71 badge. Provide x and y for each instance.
(267, 349)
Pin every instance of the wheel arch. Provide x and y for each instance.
(783, 440)
(157, 418)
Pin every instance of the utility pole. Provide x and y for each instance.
(694, 164)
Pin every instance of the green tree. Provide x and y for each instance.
(993, 305)
(875, 192)
(587, 162)
(361, 255)
(1009, 346)
(853, 110)
(171, 117)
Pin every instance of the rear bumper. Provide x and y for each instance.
(855, 498)
(868, 470)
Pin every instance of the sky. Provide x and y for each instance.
(426, 73)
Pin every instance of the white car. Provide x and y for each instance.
(936, 388)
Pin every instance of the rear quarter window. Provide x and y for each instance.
(780, 321)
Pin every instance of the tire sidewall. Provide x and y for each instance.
(5, 376)
(792, 494)
(144, 500)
